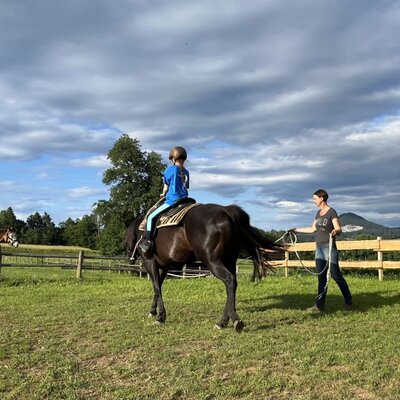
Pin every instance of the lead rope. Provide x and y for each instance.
(293, 241)
(329, 263)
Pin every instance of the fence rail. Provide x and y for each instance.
(378, 246)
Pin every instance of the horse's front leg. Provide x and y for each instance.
(162, 313)
(157, 307)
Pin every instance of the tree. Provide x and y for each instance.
(86, 231)
(8, 219)
(40, 229)
(49, 234)
(112, 238)
(34, 228)
(135, 180)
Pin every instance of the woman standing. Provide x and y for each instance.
(327, 227)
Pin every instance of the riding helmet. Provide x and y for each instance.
(178, 153)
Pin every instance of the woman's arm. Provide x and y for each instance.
(308, 229)
(337, 229)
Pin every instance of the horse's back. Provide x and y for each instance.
(210, 231)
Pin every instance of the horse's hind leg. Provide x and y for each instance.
(230, 281)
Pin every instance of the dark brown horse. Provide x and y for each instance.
(8, 236)
(209, 233)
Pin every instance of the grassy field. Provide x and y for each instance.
(91, 339)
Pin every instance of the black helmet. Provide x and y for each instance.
(178, 153)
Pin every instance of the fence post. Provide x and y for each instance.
(380, 260)
(286, 263)
(80, 264)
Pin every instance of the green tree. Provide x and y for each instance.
(68, 232)
(112, 238)
(8, 219)
(81, 232)
(40, 229)
(34, 229)
(135, 180)
(86, 231)
(49, 234)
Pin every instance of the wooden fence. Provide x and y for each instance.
(378, 246)
(82, 261)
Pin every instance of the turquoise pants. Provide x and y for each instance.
(151, 217)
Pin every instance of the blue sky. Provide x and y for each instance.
(272, 99)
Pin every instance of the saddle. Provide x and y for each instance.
(173, 216)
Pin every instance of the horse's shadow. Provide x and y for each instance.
(362, 302)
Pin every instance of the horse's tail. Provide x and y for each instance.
(260, 247)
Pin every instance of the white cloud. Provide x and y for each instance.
(85, 191)
(99, 161)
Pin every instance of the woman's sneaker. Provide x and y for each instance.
(315, 310)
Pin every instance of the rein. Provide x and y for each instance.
(132, 257)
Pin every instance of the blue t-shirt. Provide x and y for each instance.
(177, 189)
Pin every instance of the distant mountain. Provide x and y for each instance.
(354, 226)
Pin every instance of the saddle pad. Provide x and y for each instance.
(171, 217)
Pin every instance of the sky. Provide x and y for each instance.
(272, 99)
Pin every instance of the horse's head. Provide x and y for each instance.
(132, 235)
(10, 237)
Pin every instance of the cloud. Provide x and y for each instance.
(85, 192)
(98, 161)
(273, 100)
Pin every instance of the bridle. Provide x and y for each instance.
(10, 238)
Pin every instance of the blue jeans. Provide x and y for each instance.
(321, 261)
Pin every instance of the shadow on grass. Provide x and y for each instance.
(362, 302)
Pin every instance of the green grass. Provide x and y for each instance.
(46, 249)
(91, 339)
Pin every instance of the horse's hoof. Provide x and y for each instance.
(150, 315)
(157, 322)
(220, 325)
(239, 326)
